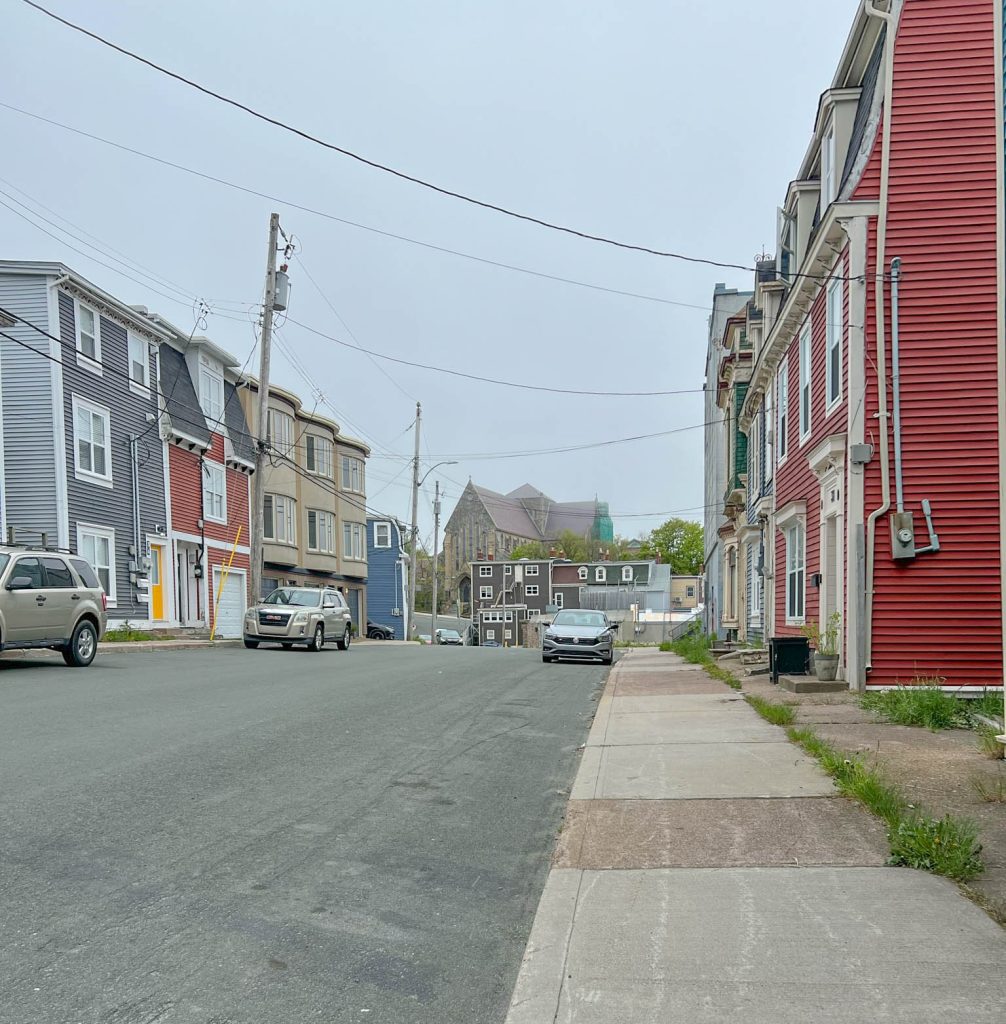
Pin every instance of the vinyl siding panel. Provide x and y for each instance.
(30, 452)
(112, 507)
(940, 614)
(386, 579)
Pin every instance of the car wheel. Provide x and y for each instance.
(375, 634)
(83, 646)
(318, 640)
(606, 661)
(546, 659)
(286, 647)
(343, 644)
(251, 644)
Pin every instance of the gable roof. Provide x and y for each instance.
(507, 514)
(180, 400)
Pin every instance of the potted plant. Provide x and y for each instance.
(825, 642)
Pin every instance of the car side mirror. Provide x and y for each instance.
(613, 626)
(20, 583)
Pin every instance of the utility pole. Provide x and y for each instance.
(413, 568)
(436, 538)
(262, 430)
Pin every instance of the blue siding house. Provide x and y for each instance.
(387, 575)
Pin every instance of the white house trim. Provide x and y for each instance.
(217, 545)
(58, 419)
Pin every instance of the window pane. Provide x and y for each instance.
(30, 567)
(267, 517)
(99, 461)
(56, 573)
(312, 529)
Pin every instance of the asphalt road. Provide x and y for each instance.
(237, 837)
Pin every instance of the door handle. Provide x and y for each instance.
(40, 599)
(75, 597)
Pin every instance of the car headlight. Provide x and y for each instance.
(300, 618)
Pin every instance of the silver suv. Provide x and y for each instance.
(50, 599)
(300, 615)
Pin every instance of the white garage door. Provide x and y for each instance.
(230, 616)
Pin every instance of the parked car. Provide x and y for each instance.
(377, 631)
(449, 638)
(490, 643)
(300, 615)
(579, 634)
(51, 599)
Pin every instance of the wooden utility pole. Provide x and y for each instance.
(262, 427)
(413, 568)
(436, 538)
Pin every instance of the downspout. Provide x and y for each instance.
(135, 484)
(899, 490)
(881, 358)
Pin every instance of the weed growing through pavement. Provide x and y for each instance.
(989, 790)
(989, 743)
(694, 648)
(922, 704)
(946, 846)
(126, 634)
(777, 714)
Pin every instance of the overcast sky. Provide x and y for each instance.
(671, 124)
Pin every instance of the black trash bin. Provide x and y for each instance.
(789, 655)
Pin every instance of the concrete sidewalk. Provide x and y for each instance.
(709, 871)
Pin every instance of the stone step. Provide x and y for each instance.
(811, 684)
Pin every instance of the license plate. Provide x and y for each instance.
(273, 618)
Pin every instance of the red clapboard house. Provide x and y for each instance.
(873, 413)
(210, 459)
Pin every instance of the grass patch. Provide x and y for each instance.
(665, 646)
(988, 741)
(723, 675)
(945, 846)
(777, 714)
(925, 705)
(126, 635)
(693, 647)
(988, 705)
(989, 790)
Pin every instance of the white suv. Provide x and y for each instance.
(300, 615)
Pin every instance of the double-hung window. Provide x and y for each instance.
(139, 363)
(279, 520)
(88, 334)
(806, 368)
(281, 431)
(352, 474)
(795, 577)
(211, 393)
(92, 427)
(485, 593)
(485, 570)
(782, 386)
(531, 570)
(352, 541)
(601, 574)
(582, 572)
(558, 599)
(828, 169)
(215, 492)
(320, 532)
(531, 590)
(382, 535)
(626, 573)
(318, 452)
(96, 545)
(836, 328)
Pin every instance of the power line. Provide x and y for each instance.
(293, 205)
(422, 182)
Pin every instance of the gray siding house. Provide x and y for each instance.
(83, 460)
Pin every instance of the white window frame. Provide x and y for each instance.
(530, 570)
(378, 527)
(829, 186)
(281, 431)
(508, 615)
(690, 591)
(485, 571)
(782, 413)
(321, 452)
(288, 515)
(82, 405)
(353, 468)
(138, 352)
(324, 532)
(557, 599)
(806, 395)
(507, 570)
(485, 593)
(769, 439)
(795, 536)
(490, 634)
(835, 312)
(507, 634)
(492, 616)
(99, 533)
(531, 590)
(92, 363)
(583, 572)
(354, 541)
(213, 495)
(600, 574)
(213, 409)
(626, 573)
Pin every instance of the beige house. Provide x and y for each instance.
(314, 515)
(686, 592)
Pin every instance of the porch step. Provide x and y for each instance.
(811, 684)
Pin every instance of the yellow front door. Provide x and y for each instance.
(156, 582)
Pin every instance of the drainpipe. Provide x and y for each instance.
(881, 358)
(899, 489)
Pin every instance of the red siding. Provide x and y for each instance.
(940, 615)
(794, 480)
(186, 495)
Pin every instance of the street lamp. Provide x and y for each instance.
(417, 483)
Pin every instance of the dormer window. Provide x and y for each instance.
(601, 574)
(627, 574)
(582, 572)
(829, 184)
(787, 246)
(211, 393)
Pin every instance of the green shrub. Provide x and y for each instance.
(693, 647)
(946, 846)
(665, 646)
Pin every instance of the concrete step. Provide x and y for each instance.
(811, 684)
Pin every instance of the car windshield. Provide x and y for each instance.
(580, 618)
(449, 632)
(300, 598)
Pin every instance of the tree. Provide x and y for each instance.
(529, 549)
(679, 544)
